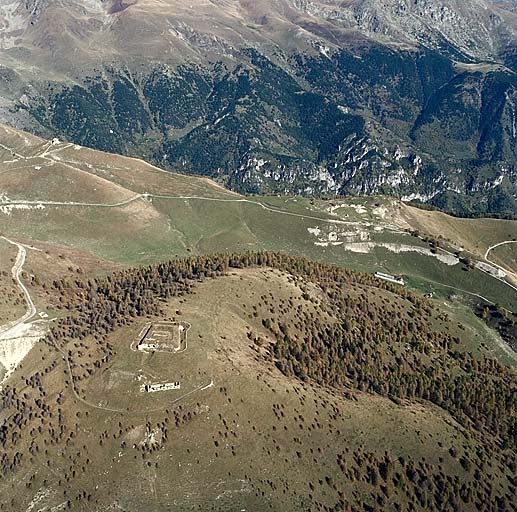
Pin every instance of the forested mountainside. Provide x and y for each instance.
(342, 358)
(414, 99)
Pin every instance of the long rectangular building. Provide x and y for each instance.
(390, 278)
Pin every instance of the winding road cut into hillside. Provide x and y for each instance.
(509, 271)
(16, 273)
(492, 247)
(19, 336)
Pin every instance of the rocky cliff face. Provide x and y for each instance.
(469, 28)
(412, 98)
(509, 5)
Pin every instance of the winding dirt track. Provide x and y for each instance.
(16, 272)
(507, 269)
(147, 196)
(492, 247)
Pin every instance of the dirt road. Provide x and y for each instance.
(16, 273)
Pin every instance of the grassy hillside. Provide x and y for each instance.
(243, 431)
(126, 211)
(474, 235)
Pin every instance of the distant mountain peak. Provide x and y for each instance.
(472, 28)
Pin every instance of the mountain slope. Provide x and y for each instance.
(354, 429)
(278, 383)
(279, 96)
(129, 212)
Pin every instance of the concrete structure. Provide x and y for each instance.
(163, 337)
(155, 388)
(144, 347)
(390, 278)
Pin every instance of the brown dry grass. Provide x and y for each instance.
(256, 440)
(475, 235)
